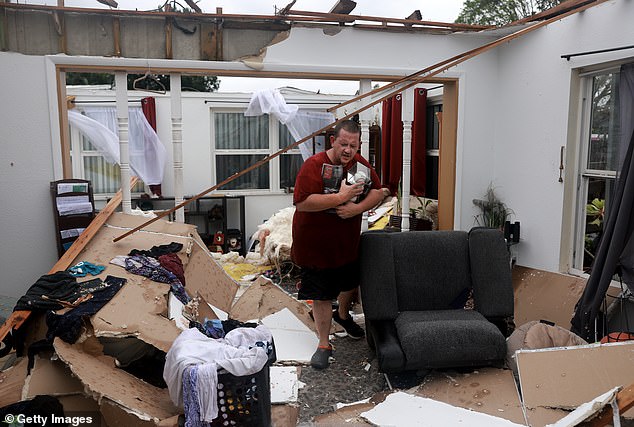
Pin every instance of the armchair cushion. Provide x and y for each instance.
(437, 338)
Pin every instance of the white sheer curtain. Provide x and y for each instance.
(147, 153)
(300, 123)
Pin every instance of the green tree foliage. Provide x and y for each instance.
(501, 12)
(92, 79)
(153, 82)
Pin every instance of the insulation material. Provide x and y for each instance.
(402, 409)
(567, 377)
(275, 236)
(104, 382)
(488, 390)
(545, 295)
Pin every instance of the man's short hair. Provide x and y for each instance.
(347, 125)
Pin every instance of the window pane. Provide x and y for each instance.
(286, 138)
(235, 131)
(289, 166)
(431, 183)
(597, 207)
(227, 165)
(604, 138)
(105, 177)
(433, 127)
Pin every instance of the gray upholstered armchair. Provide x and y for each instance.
(414, 286)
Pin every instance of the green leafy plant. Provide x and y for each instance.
(493, 212)
(595, 215)
(595, 211)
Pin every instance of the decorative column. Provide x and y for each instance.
(121, 83)
(407, 115)
(177, 142)
(364, 117)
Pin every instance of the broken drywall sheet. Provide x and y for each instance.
(137, 310)
(348, 415)
(263, 298)
(488, 390)
(50, 377)
(115, 415)
(102, 380)
(567, 377)
(587, 410)
(101, 248)
(403, 409)
(285, 384)
(12, 380)
(284, 415)
(545, 295)
(206, 277)
(294, 342)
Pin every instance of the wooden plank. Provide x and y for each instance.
(18, 317)
(624, 400)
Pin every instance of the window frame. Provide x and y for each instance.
(585, 174)
(273, 147)
(77, 156)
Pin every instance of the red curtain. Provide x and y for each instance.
(392, 143)
(148, 105)
(149, 110)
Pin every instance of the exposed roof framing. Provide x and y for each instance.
(289, 16)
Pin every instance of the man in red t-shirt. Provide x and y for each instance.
(327, 229)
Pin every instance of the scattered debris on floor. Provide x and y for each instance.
(115, 367)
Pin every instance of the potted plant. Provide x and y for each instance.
(418, 216)
(493, 212)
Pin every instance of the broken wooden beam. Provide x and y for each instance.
(624, 400)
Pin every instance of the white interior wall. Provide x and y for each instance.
(533, 119)
(28, 248)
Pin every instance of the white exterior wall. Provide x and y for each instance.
(514, 114)
(27, 233)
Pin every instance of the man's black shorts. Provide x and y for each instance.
(323, 285)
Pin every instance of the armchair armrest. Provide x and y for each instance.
(386, 345)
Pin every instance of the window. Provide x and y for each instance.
(241, 141)
(433, 152)
(88, 163)
(599, 162)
